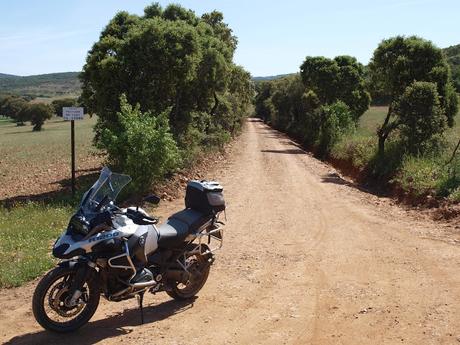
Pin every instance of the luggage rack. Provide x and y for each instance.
(212, 238)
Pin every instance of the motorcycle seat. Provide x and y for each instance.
(179, 226)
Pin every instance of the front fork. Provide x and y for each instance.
(84, 270)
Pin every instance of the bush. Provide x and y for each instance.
(356, 149)
(142, 146)
(421, 175)
(421, 116)
(430, 175)
(336, 120)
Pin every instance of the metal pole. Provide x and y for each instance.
(72, 144)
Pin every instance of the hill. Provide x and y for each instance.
(271, 77)
(42, 85)
(7, 76)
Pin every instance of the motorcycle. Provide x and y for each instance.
(120, 253)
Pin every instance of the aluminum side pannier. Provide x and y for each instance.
(205, 196)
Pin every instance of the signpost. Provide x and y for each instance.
(71, 114)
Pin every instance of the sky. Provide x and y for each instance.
(47, 36)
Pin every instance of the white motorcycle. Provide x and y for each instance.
(121, 253)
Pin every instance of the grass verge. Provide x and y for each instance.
(26, 234)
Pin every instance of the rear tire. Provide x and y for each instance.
(199, 276)
(39, 302)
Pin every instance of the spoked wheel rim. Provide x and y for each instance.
(56, 301)
(199, 270)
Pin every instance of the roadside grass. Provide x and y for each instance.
(26, 235)
(418, 176)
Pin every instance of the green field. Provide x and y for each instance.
(31, 160)
(375, 116)
(34, 164)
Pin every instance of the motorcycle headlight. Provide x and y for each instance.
(79, 225)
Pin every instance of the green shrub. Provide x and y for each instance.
(356, 149)
(421, 175)
(336, 120)
(142, 146)
(421, 116)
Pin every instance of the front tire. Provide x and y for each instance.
(49, 299)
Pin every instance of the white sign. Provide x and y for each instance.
(72, 113)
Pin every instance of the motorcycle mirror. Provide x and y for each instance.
(153, 199)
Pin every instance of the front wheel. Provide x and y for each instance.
(50, 301)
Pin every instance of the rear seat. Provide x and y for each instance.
(179, 226)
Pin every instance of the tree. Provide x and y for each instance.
(420, 115)
(12, 106)
(339, 79)
(58, 104)
(396, 64)
(168, 60)
(38, 113)
(321, 75)
(24, 115)
(263, 92)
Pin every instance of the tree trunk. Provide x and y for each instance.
(383, 133)
(381, 148)
(216, 103)
(453, 154)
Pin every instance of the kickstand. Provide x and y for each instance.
(140, 300)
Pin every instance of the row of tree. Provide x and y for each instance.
(318, 105)
(168, 71)
(328, 96)
(21, 110)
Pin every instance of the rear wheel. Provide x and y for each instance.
(199, 266)
(50, 301)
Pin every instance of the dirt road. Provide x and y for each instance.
(307, 259)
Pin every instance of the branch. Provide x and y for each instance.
(453, 153)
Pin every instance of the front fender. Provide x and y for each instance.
(84, 270)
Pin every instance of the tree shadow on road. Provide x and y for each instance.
(112, 326)
(336, 179)
(286, 151)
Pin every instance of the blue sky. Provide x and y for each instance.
(274, 36)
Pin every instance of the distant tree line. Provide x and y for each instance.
(453, 58)
(168, 71)
(318, 105)
(325, 100)
(20, 110)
